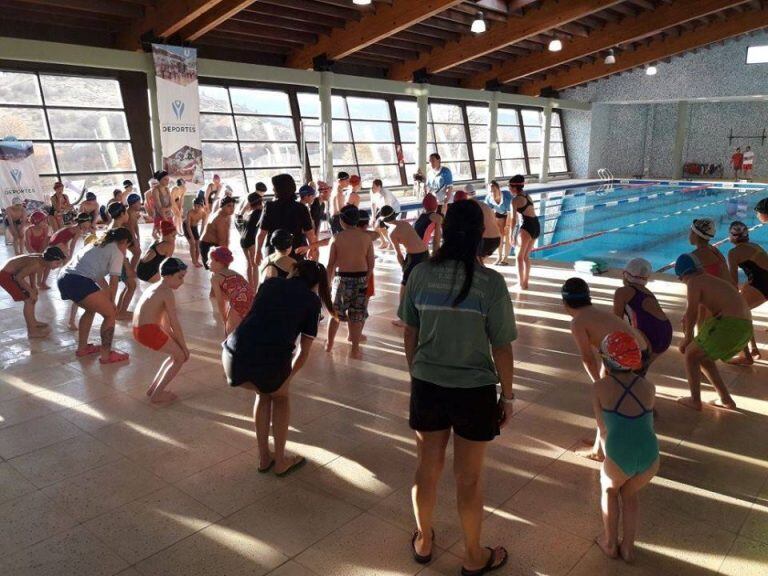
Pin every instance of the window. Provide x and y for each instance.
(757, 54)
(532, 122)
(446, 122)
(77, 125)
(248, 136)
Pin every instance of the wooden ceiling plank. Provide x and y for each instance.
(628, 30)
(385, 21)
(212, 18)
(130, 11)
(549, 14)
(735, 26)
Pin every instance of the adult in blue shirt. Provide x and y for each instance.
(439, 181)
(501, 203)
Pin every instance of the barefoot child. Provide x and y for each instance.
(17, 277)
(350, 264)
(623, 404)
(233, 294)
(148, 268)
(192, 230)
(36, 241)
(726, 331)
(156, 326)
(254, 208)
(15, 215)
(216, 232)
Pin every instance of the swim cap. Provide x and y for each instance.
(365, 218)
(738, 232)
(90, 196)
(227, 201)
(199, 201)
(133, 199)
(167, 228)
(306, 190)
(686, 264)
(350, 215)
(621, 351)
(116, 209)
(704, 228)
(83, 217)
(387, 214)
(37, 217)
(127, 183)
(638, 270)
(254, 199)
(517, 180)
(470, 189)
(53, 254)
(354, 180)
(171, 266)
(762, 207)
(281, 239)
(460, 195)
(223, 255)
(160, 174)
(429, 203)
(261, 187)
(342, 176)
(576, 291)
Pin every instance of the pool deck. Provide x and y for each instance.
(96, 481)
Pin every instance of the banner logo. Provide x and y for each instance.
(16, 174)
(178, 108)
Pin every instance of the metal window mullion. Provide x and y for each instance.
(524, 141)
(293, 103)
(237, 139)
(468, 142)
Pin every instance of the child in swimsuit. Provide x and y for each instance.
(148, 268)
(192, 230)
(280, 264)
(156, 326)
(642, 310)
(234, 296)
(623, 404)
(36, 241)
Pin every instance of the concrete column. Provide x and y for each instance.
(326, 127)
(681, 131)
(648, 144)
(493, 121)
(422, 101)
(546, 127)
(157, 148)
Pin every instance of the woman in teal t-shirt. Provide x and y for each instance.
(458, 341)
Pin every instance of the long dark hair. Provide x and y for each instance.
(315, 274)
(114, 235)
(463, 229)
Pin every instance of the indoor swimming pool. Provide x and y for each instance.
(617, 222)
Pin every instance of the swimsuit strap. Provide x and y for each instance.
(527, 203)
(628, 392)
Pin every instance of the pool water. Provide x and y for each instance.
(640, 219)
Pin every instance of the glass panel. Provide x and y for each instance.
(480, 167)
(478, 133)
(507, 150)
(44, 158)
(252, 101)
(87, 125)
(556, 149)
(390, 175)
(261, 155)
(478, 114)
(267, 128)
(508, 134)
(23, 123)
(100, 184)
(460, 170)
(340, 131)
(408, 133)
(344, 154)
(507, 117)
(376, 153)
(220, 155)
(372, 132)
(555, 118)
(511, 167)
(532, 134)
(81, 92)
(453, 151)
(446, 113)
(410, 170)
(450, 133)
(531, 117)
(534, 149)
(311, 133)
(368, 108)
(313, 154)
(557, 165)
(407, 111)
(213, 99)
(217, 127)
(409, 153)
(480, 151)
(309, 104)
(556, 135)
(535, 165)
(338, 107)
(265, 175)
(17, 88)
(94, 157)
(232, 178)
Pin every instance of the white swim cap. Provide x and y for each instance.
(638, 270)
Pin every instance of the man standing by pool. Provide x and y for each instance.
(440, 182)
(736, 161)
(747, 162)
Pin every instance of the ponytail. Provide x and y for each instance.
(113, 236)
(315, 274)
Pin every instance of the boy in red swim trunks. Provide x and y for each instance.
(736, 161)
(156, 326)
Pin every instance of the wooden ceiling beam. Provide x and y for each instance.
(653, 52)
(346, 13)
(549, 14)
(611, 35)
(265, 31)
(261, 10)
(131, 11)
(387, 20)
(212, 18)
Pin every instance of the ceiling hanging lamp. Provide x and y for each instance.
(651, 70)
(611, 58)
(478, 24)
(555, 45)
(361, 2)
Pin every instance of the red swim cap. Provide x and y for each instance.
(622, 351)
(354, 180)
(223, 254)
(429, 203)
(460, 195)
(37, 217)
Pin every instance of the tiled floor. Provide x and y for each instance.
(95, 481)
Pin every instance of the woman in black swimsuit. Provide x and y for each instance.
(254, 207)
(529, 228)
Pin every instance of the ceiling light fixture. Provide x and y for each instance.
(611, 58)
(361, 2)
(651, 71)
(478, 24)
(555, 45)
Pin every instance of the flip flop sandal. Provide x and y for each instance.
(489, 566)
(266, 468)
(114, 358)
(292, 468)
(89, 350)
(426, 559)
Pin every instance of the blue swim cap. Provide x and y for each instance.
(90, 196)
(133, 199)
(686, 264)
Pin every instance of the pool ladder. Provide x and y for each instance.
(604, 174)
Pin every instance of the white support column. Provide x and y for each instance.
(493, 138)
(681, 131)
(326, 127)
(422, 101)
(546, 127)
(157, 148)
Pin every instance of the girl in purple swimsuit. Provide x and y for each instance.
(640, 307)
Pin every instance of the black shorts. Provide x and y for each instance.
(75, 287)
(266, 379)
(246, 243)
(205, 248)
(490, 245)
(411, 261)
(336, 224)
(473, 413)
(195, 231)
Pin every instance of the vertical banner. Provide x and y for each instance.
(19, 182)
(178, 104)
